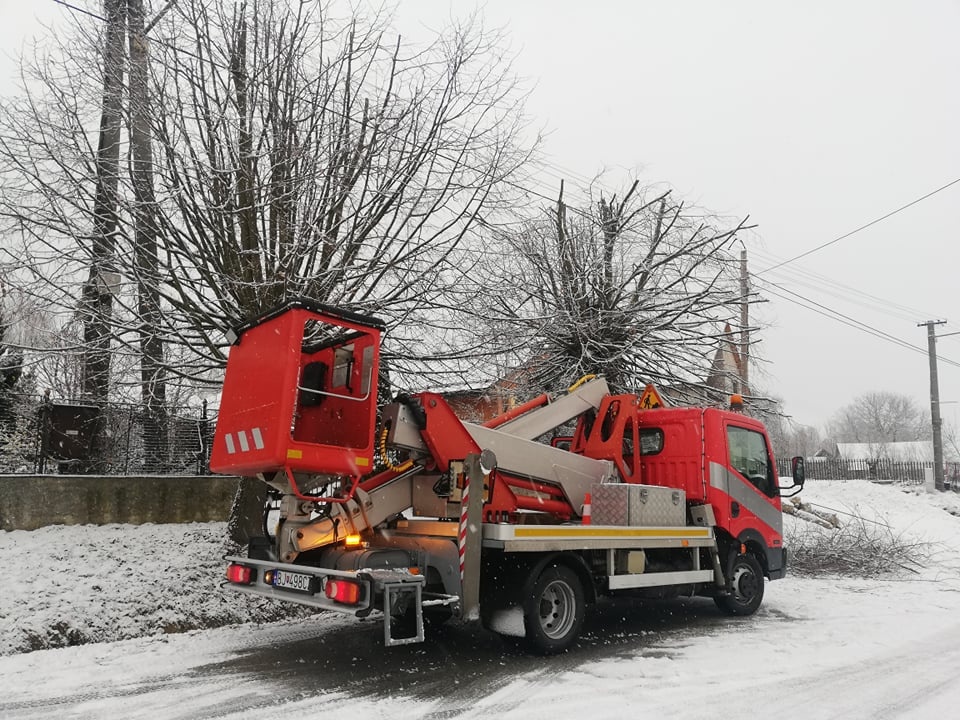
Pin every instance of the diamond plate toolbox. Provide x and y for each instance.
(637, 505)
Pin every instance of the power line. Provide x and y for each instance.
(80, 10)
(160, 41)
(849, 293)
(839, 317)
(862, 227)
(828, 312)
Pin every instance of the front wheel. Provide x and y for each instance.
(553, 610)
(745, 587)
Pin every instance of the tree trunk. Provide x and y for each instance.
(152, 373)
(246, 515)
(97, 301)
(251, 279)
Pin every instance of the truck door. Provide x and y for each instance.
(749, 457)
(750, 482)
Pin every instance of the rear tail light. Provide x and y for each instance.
(239, 574)
(343, 591)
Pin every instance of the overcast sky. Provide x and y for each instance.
(813, 118)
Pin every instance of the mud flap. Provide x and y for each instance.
(718, 573)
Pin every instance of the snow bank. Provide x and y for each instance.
(69, 585)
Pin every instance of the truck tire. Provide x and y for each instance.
(553, 610)
(746, 587)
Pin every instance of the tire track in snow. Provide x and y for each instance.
(886, 686)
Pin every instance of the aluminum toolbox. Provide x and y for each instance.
(637, 505)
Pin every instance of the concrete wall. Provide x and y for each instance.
(28, 502)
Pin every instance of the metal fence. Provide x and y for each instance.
(40, 435)
(880, 470)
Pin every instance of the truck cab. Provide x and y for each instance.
(719, 458)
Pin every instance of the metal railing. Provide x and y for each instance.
(44, 436)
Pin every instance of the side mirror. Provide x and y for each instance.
(796, 465)
(798, 474)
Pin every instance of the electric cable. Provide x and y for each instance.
(862, 227)
(791, 296)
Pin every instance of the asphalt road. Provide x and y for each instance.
(216, 675)
(820, 649)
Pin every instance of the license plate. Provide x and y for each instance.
(293, 581)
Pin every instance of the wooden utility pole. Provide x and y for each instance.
(935, 403)
(744, 325)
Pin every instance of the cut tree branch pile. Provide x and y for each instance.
(858, 547)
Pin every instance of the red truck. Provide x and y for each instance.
(406, 513)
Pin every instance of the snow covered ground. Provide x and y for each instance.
(74, 584)
(819, 647)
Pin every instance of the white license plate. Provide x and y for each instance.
(292, 581)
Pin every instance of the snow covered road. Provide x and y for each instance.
(819, 648)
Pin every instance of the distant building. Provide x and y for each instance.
(479, 404)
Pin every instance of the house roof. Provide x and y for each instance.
(726, 371)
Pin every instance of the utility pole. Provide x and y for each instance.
(935, 403)
(744, 324)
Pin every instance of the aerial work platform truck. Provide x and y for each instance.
(407, 513)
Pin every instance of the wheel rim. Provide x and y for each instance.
(557, 609)
(744, 584)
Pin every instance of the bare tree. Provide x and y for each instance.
(788, 437)
(636, 287)
(951, 443)
(11, 364)
(304, 156)
(296, 153)
(13, 385)
(879, 418)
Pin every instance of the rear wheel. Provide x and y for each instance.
(553, 610)
(745, 587)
